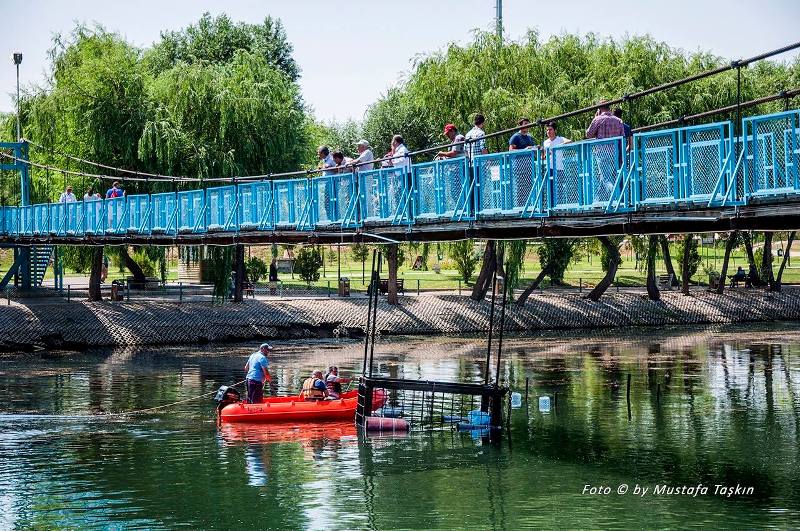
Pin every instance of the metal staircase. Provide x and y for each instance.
(41, 256)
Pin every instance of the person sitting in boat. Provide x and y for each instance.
(314, 388)
(334, 382)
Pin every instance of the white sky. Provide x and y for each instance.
(350, 52)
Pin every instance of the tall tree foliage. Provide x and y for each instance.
(537, 78)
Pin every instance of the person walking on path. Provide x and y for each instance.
(257, 368)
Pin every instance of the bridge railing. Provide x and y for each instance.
(441, 189)
(336, 200)
(256, 206)
(771, 154)
(512, 183)
(164, 213)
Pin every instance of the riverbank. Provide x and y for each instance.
(81, 325)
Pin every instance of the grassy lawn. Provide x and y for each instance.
(586, 271)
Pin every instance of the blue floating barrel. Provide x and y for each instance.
(478, 418)
(391, 412)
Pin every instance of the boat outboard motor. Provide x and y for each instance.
(226, 395)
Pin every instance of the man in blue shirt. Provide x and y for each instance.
(115, 191)
(257, 368)
(521, 139)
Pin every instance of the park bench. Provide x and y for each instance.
(384, 287)
(734, 281)
(665, 282)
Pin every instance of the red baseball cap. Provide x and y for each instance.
(448, 128)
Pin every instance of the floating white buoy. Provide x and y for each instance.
(544, 404)
(516, 400)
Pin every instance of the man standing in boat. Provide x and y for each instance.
(257, 368)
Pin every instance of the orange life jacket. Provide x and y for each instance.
(309, 391)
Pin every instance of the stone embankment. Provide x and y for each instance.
(80, 325)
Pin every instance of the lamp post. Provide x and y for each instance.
(17, 57)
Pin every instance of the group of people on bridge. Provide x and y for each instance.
(607, 123)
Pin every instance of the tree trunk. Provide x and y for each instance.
(766, 262)
(484, 281)
(723, 276)
(391, 259)
(238, 289)
(532, 287)
(94, 275)
(777, 284)
(751, 261)
(687, 239)
(603, 285)
(652, 285)
(668, 259)
(131, 265)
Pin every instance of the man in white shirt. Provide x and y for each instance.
(399, 154)
(476, 141)
(326, 161)
(364, 155)
(552, 141)
(67, 196)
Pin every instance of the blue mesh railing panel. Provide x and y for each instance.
(567, 189)
(524, 174)
(11, 221)
(164, 212)
(115, 215)
(370, 196)
(75, 218)
(453, 178)
(426, 190)
(137, 214)
(93, 214)
(191, 205)
(284, 203)
(705, 151)
(347, 199)
(393, 188)
(41, 219)
(255, 206)
(304, 200)
(326, 199)
(220, 206)
(490, 171)
(657, 174)
(604, 161)
(58, 213)
(772, 151)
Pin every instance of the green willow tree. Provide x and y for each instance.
(217, 99)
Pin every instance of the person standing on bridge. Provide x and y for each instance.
(521, 139)
(115, 191)
(364, 156)
(606, 156)
(67, 196)
(457, 146)
(399, 154)
(476, 138)
(343, 164)
(257, 368)
(326, 162)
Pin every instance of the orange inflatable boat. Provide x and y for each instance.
(296, 409)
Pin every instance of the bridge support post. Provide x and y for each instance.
(238, 291)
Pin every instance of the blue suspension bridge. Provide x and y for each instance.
(718, 176)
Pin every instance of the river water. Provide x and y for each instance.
(711, 407)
